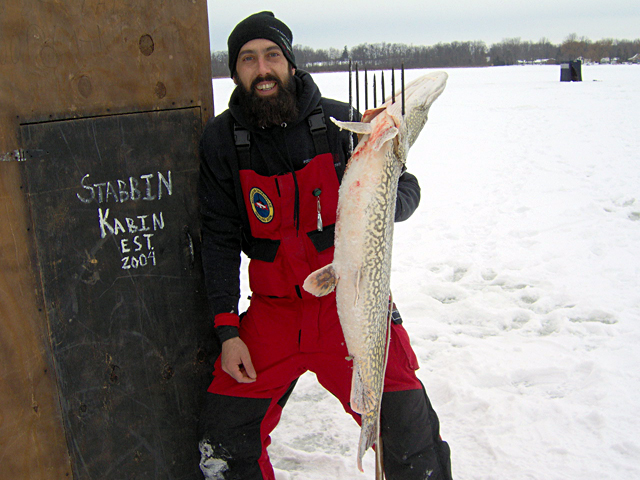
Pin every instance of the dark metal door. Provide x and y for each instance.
(114, 212)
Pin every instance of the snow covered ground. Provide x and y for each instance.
(518, 279)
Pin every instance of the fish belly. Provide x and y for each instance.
(362, 258)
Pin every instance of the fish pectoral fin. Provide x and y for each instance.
(363, 398)
(321, 282)
(384, 136)
(356, 127)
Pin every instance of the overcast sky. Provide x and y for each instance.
(336, 23)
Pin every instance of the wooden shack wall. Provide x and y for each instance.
(63, 60)
(32, 440)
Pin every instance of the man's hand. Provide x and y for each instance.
(236, 361)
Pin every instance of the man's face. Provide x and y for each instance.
(260, 63)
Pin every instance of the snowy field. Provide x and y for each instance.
(518, 279)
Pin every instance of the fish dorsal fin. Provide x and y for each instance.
(360, 128)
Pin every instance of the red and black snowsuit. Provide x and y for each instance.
(263, 197)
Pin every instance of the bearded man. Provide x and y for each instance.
(271, 168)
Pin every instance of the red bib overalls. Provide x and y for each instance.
(287, 330)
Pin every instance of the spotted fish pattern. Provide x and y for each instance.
(361, 268)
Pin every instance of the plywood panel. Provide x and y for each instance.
(63, 59)
(116, 226)
(32, 441)
(96, 360)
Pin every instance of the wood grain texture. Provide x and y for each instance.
(32, 437)
(62, 59)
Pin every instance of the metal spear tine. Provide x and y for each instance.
(350, 93)
(357, 89)
(366, 91)
(375, 97)
(403, 89)
(350, 107)
(393, 86)
(382, 84)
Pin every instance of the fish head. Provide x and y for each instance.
(386, 123)
(419, 96)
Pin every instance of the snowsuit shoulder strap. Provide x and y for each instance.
(317, 127)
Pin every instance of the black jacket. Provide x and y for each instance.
(276, 150)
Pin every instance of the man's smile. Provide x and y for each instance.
(266, 87)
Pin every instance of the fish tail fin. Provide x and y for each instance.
(321, 282)
(357, 391)
(363, 398)
(369, 434)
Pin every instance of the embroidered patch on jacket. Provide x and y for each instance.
(261, 205)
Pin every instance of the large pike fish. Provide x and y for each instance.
(361, 267)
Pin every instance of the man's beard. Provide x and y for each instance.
(270, 111)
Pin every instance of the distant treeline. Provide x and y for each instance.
(510, 51)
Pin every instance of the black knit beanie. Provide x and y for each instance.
(260, 25)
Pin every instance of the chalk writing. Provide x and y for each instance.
(137, 253)
(146, 187)
(137, 248)
(133, 225)
(135, 233)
